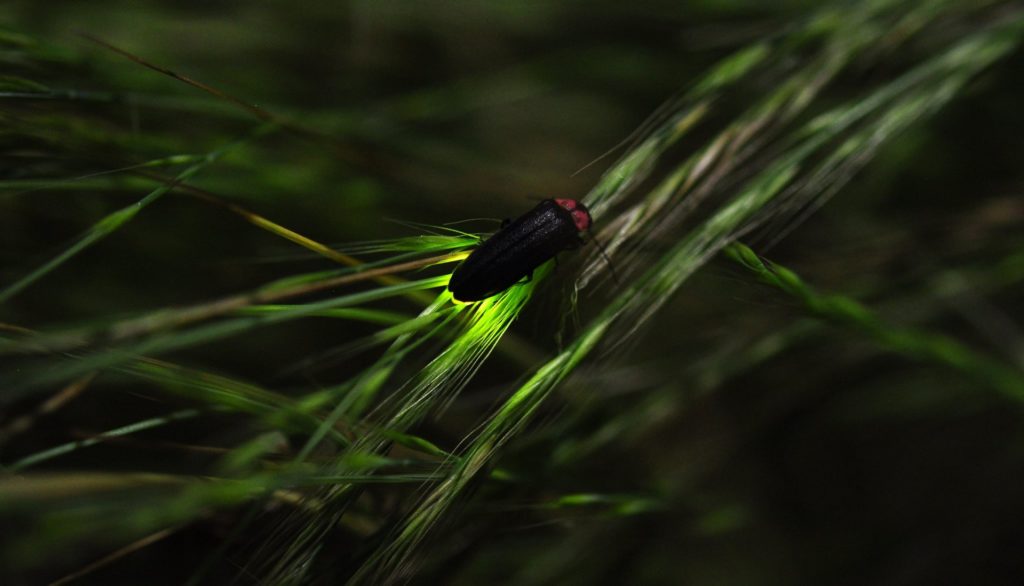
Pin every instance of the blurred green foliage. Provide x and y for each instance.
(190, 392)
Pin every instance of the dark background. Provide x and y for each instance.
(828, 459)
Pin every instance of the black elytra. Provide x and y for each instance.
(513, 252)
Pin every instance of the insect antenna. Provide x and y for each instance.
(604, 254)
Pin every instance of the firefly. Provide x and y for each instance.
(522, 245)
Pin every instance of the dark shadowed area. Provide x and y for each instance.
(227, 355)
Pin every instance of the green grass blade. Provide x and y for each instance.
(113, 221)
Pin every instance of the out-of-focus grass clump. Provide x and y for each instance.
(227, 354)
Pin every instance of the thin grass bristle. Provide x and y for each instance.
(190, 365)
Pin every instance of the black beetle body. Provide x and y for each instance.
(524, 244)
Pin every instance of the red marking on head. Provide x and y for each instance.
(567, 204)
(580, 215)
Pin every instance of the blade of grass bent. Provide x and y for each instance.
(115, 220)
(911, 342)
